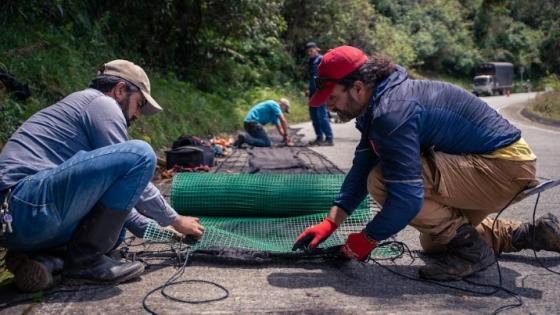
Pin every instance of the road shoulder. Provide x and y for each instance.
(517, 112)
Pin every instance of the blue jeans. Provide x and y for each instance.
(257, 136)
(48, 206)
(321, 124)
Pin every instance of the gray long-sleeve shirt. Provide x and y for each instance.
(84, 120)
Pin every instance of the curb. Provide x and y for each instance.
(545, 121)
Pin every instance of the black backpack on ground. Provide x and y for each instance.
(189, 156)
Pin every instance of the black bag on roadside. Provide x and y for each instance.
(189, 156)
(187, 141)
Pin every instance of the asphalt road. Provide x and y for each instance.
(355, 287)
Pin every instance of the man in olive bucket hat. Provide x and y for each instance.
(72, 179)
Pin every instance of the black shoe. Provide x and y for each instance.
(240, 140)
(316, 142)
(104, 270)
(466, 254)
(34, 273)
(327, 143)
(544, 235)
(94, 237)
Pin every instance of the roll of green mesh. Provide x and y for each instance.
(256, 195)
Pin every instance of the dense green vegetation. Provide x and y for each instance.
(210, 60)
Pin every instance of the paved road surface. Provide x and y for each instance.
(354, 288)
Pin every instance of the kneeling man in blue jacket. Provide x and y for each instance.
(434, 157)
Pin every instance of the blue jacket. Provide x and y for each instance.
(404, 118)
(313, 65)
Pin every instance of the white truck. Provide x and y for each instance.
(493, 78)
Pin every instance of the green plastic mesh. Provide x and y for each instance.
(261, 212)
(155, 233)
(242, 195)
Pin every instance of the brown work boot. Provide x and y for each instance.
(466, 254)
(544, 235)
(32, 274)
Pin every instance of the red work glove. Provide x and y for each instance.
(358, 246)
(314, 235)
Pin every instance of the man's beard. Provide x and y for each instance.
(354, 109)
(124, 107)
(343, 117)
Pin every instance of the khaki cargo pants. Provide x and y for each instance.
(461, 189)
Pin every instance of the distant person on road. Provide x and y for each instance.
(319, 114)
(267, 112)
(71, 180)
(435, 157)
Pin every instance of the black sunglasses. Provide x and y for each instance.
(320, 82)
(143, 103)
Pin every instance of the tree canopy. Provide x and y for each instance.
(224, 50)
(247, 41)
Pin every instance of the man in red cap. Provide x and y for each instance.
(434, 157)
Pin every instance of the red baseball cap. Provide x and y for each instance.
(337, 63)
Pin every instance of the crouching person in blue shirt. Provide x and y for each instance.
(435, 157)
(71, 178)
(267, 112)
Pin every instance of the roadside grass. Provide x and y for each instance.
(546, 105)
(188, 111)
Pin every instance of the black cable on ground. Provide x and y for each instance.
(500, 285)
(402, 248)
(495, 288)
(534, 235)
(173, 281)
(140, 256)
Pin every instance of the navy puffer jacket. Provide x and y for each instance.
(404, 118)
